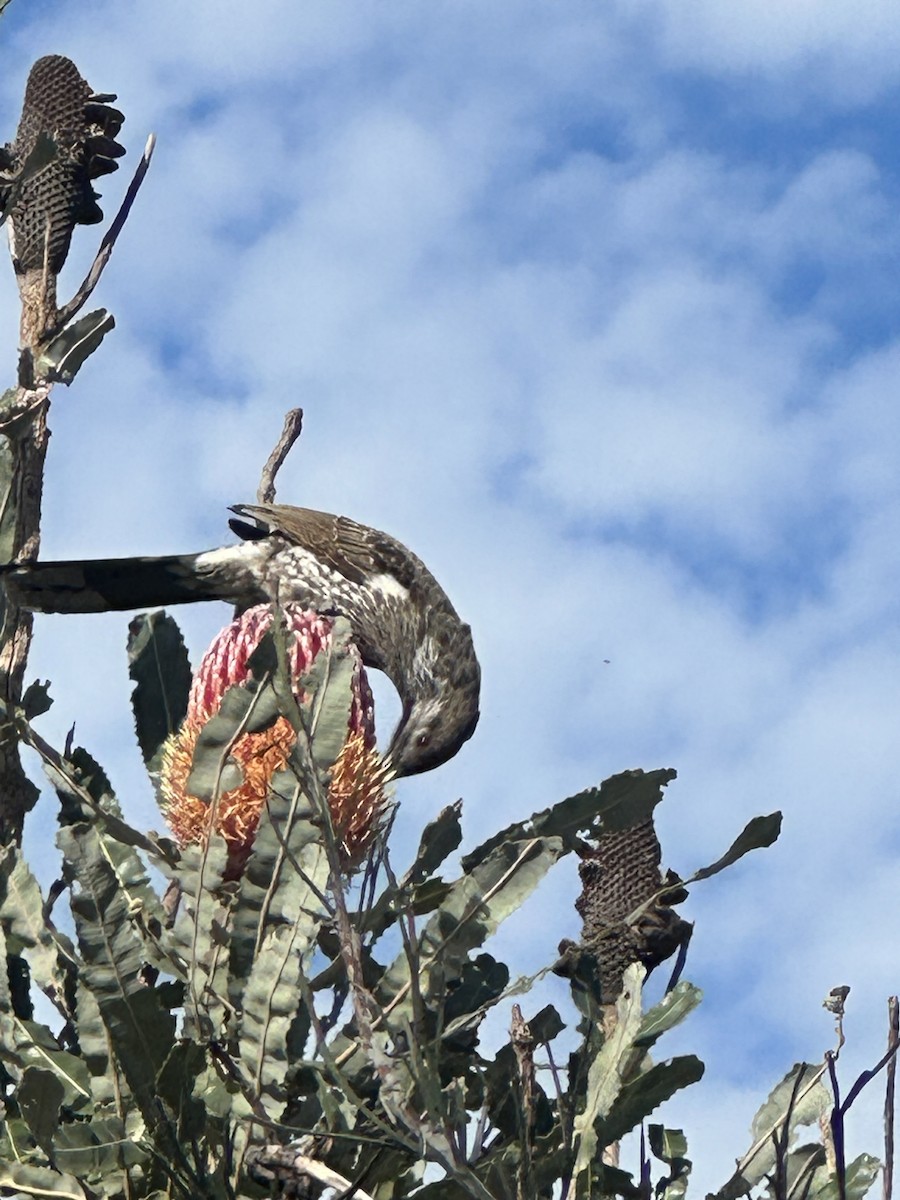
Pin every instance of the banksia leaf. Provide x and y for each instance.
(607, 1070)
(22, 919)
(39, 1097)
(158, 664)
(40, 1181)
(619, 802)
(61, 361)
(141, 1030)
(670, 1147)
(669, 1012)
(643, 1094)
(756, 835)
(472, 910)
(799, 1099)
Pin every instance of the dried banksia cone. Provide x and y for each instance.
(62, 105)
(356, 792)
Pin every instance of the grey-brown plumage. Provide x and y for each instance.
(403, 621)
(48, 206)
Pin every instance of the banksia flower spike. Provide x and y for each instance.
(356, 792)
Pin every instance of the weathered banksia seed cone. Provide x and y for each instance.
(62, 105)
(356, 793)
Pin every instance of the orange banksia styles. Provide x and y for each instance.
(356, 792)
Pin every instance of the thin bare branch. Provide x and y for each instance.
(887, 1185)
(65, 314)
(293, 426)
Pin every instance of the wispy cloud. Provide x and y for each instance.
(596, 309)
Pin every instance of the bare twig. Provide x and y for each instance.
(293, 425)
(837, 1124)
(65, 314)
(893, 1041)
(867, 1076)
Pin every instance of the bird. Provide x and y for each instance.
(401, 618)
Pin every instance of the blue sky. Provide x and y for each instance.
(595, 307)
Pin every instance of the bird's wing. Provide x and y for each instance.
(355, 551)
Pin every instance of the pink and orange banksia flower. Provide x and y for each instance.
(356, 793)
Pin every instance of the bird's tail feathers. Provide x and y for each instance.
(117, 584)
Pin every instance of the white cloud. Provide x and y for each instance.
(628, 389)
(847, 53)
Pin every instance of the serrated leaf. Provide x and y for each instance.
(473, 909)
(668, 1013)
(804, 1171)
(501, 1077)
(36, 1046)
(800, 1099)
(105, 1079)
(756, 835)
(198, 941)
(670, 1147)
(61, 361)
(273, 937)
(440, 838)
(159, 667)
(97, 1148)
(619, 803)
(666, 1144)
(604, 1080)
(40, 1181)
(328, 686)
(39, 1096)
(642, 1095)
(141, 1030)
(21, 915)
(93, 778)
(246, 708)
(177, 1084)
(858, 1178)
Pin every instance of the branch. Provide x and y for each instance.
(65, 314)
(893, 1040)
(293, 426)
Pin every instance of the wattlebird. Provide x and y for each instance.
(402, 620)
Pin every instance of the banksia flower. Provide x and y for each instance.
(356, 795)
(60, 104)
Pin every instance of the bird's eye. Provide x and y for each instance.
(423, 739)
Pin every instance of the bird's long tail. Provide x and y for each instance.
(115, 584)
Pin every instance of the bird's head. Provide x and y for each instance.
(432, 729)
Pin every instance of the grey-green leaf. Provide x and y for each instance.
(244, 709)
(67, 353)
(159, 666)
(40, 1181)
(39, 1096)
(642, 1095)
(670, 1011)
(799, 1099)
(619, 803)
(756, 835)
